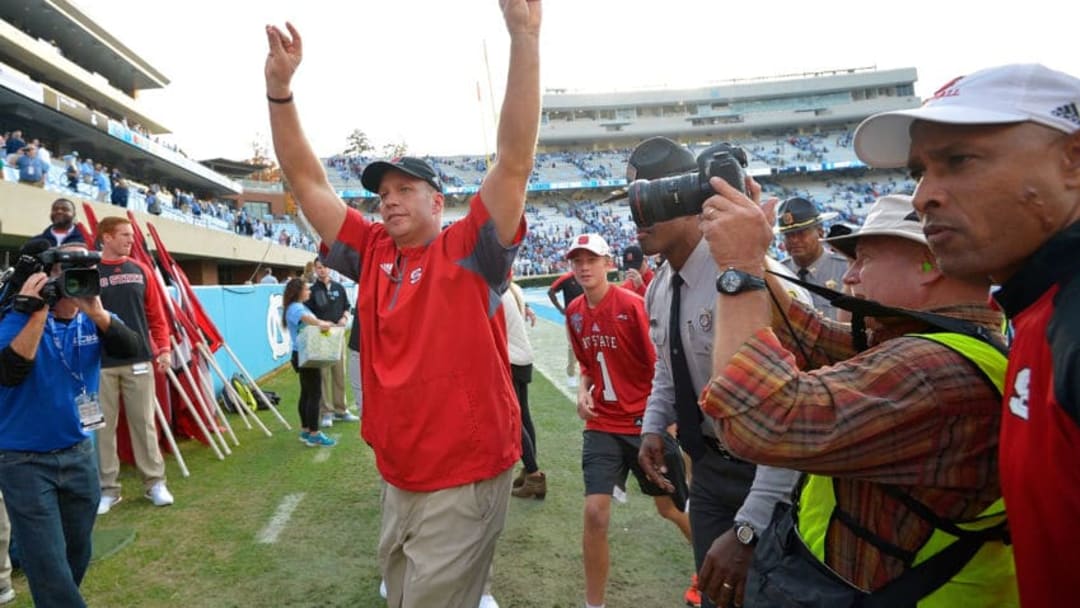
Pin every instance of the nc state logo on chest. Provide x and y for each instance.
(395, 277)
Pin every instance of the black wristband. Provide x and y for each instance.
(279, 99)
(27, 304)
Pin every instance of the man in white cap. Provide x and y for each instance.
(997, 156)
(609, 331)
(899, 439)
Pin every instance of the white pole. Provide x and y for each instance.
(198, 418)
(169, 438)
(229, 388)
(208, 386)
(258, 390)
(207, 411)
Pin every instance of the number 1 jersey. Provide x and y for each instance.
(611, 343)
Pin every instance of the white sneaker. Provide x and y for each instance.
(382, 588)
(488, 601)
(346, 417)
(8, 595)
(159, 495)
(572, 382)
(106, 503)
(327, 421)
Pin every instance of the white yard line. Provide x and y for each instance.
(270, 533)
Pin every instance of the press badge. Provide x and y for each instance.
(140, 368)
(90, 415)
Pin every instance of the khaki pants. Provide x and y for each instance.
(333, 388)
(137, 391)
(436, 548)
(5, 542)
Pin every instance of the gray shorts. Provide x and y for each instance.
(607, 458)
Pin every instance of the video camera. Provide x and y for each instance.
(78, 277)
(666, 198)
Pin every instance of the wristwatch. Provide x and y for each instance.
(745, 533)
(731, 282)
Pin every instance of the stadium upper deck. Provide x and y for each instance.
(70, 83)
(74, 84)
(741, 109)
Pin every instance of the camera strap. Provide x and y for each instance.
(861, 308)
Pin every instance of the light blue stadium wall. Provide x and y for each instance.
(249, 318)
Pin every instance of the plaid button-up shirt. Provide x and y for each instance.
(907, 411)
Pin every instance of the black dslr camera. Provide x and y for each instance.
(659, 200)
(78, 276)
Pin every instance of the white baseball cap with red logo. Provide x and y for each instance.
(590, 242)
(998, 95)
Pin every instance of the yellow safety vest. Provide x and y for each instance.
(989, 578)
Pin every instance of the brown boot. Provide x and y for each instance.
(535, 486)
(520, 479)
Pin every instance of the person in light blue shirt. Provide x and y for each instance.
(294, 315)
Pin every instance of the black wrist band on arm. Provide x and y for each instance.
(279, 99)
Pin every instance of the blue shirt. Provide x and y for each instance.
(30, 169)
(295, 312)
(39, 414)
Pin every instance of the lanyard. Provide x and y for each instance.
(59, 344)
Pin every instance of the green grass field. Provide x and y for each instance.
(203, 551)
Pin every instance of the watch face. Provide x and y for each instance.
(745, 534)
(730, 281)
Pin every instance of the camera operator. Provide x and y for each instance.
(902, 503)
(725, 492)
(50, 360)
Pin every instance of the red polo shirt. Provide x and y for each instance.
(439, 407)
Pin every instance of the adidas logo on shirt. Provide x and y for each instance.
(1068, 112)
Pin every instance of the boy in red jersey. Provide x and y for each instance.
(609, 332)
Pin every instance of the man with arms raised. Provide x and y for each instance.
(440, 411)
(997, 156)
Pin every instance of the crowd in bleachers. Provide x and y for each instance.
(31, 163)
(552, 222)
(766, 153)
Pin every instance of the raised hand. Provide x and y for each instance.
(736, 227)
(286, 52)
(522, 16)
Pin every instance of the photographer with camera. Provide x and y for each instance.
(725, 493)
(896, 426)
(50, 357)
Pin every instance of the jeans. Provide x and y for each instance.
(52, 500)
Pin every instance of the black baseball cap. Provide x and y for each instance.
(418, 168)
(632, 257)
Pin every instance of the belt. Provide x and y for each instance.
(714, 445)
